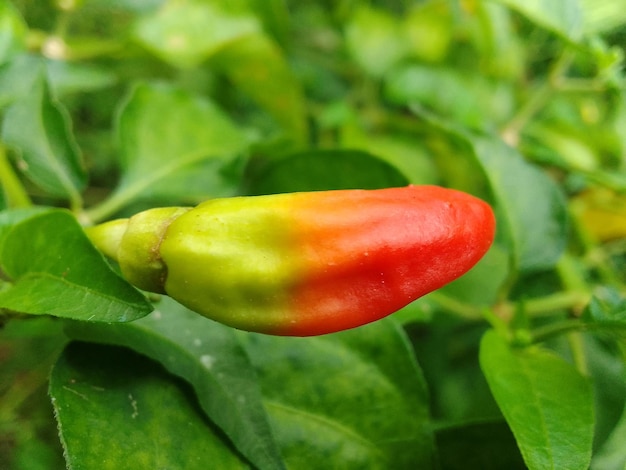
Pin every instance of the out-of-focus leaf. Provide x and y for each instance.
(257, 66)
(18, 77)
(602, 212)
(563, 17)
(607, 312)
(546, 402)
(408, 154)
(359, 400)
(53, 269)
(164, 131)
(611, 455)
(603, 15)
(68, 77)
(39, 128)
(427, 28)
(210, 357)
(135, 414)
(523, 195)
(323, 170)
(467, 99)
(374, 39)
(275, 17)
(185, 33)
(13, 32)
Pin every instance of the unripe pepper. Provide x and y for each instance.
(303, 263)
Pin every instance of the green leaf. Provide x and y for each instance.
(38, 128)
(563, 17)
(164, 134)
(354, 399)
(523, 194)
(185, 33)
(135, 416)
(18, 77)
(322, 170)
(13, 31)
(258, 67)
(209, 356)
(53, 269)
(547, 403)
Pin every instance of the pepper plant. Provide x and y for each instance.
(113, 111)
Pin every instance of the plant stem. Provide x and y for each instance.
(538, 99)
(559, 301)
(13, 188)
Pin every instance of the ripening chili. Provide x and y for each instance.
(303, 263)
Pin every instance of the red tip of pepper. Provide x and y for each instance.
(369, 253)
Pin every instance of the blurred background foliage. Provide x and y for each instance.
(112, 106)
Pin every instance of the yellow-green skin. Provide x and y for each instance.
(303, 263)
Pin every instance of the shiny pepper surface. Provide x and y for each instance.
(303, 263)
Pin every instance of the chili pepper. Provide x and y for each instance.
(303, 263)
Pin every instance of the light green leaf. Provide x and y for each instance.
(117, 409)
(563, 17)
(374, 38)
(185, 33)
(317, 170)
(354, 399)
(13, 31)
(39, 129)
(165, 132)
(18, 77)
(210, 357)
(546, 402)
(602, 16)
(52, 268)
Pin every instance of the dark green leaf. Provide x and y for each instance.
(487, 445)
(210, 357)
(38, 127)
(53, 269)
(407, 153)
(546, 402)
(355, 399)
(324, 169)
(135, 416)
